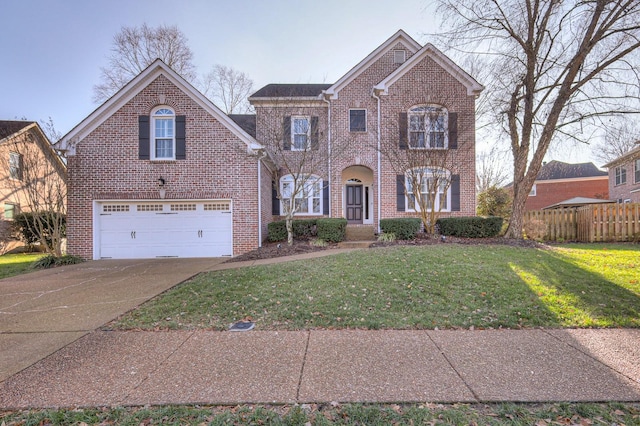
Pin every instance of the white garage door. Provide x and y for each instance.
(142, 230)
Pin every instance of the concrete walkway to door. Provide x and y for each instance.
(44, 311)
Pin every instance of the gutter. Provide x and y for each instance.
(325, 98)
(379, 159)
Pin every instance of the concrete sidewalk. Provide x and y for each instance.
(183, 367)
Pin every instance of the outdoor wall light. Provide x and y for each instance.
(161, 182)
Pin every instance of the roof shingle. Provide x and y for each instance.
(9, 127)
(559, 170)
(290, 90)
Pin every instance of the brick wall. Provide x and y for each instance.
(627, 191)
(106, 166)
(550, 192)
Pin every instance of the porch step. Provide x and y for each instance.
(355, 244)
(360, 233)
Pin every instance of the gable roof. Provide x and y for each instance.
(399, 37)
(577, 202)
(9, 127)
(290, 91)
(558, 170)
(135, 86)
(246, 121)
(629, 155)
(429, 50)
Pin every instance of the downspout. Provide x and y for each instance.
(325, 98)
(261, 155)
(379, 159)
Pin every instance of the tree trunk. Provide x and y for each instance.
(514, 231)
(289, 223)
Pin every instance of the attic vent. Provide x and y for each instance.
(399, 56)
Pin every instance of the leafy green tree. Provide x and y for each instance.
(494, 201)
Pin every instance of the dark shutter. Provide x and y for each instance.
(181, 145)
(403, 127)
(275, 203)
(455, 193)
(286, 133)
(143, 137)
(453, 130)
(315, 133)
(400, 192)
(325, 197)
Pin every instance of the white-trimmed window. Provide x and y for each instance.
(428, 127)
(300, 133)
(163, 134)
(534, 191)
(10, 211)
(430, 180)
(15, 165)
(621, 175)
(307, 193)
(357, 120)
(636, 178)
(399, 56)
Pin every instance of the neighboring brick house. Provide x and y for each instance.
(28, 156)
(158, 170)
(558, 182)
(624, 177)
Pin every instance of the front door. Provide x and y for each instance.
(354, 203)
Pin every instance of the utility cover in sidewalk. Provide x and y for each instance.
(242, 326)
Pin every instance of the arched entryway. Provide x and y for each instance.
(357, 195)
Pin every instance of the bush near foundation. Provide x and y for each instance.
(405, 228)
(470, 227)
(332, 230)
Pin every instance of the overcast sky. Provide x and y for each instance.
(52, 50)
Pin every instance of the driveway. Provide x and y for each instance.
(44, 311)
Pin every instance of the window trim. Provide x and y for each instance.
(442, 112)
(152, 140)
(309, 180)
(15, 166)
(534, 191)
(620, 175)
(15, 210)
(364, 120)
(399, 56)
(411, 206)
(293, 134)
(637, 170)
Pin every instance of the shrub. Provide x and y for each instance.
(535, 229)
(332, 229)
(404, 228)
(25, 224)
(470, 227)
(52, 261)
(304, 228)
(387, 237)
(277, 231)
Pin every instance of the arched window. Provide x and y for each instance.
(306, 191)
(163, 134)
(428, 127)
(433, 189)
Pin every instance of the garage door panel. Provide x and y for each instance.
(145, 230)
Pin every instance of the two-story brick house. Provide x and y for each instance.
(158, 170)
(624, 177)
(401, 104)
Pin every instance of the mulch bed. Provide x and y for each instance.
(271, 250)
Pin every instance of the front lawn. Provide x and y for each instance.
(422, 287)
(16, 264)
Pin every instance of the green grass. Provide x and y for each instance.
(443, 286)
(16, 264)
(333, 414)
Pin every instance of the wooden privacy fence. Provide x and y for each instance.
(591, 223)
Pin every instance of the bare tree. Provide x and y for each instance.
(620, 137)
(228, 88)
(428, 152)
(491, 169)
(296, 139)
(135, 48)
(37, 176)
(559, 67)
